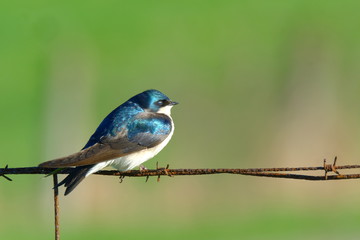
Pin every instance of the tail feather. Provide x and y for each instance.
(74, 178)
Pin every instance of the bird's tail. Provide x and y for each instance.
(75, 176)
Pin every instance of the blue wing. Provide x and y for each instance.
(114, 122)
(149, 130)
(145, 130)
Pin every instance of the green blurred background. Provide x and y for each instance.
(261, 84)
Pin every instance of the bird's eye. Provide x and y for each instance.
(160, 103)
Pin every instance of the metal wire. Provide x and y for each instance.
(259, 172)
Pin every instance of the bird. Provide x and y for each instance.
(131, 134)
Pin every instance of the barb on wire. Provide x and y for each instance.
(259, 172)
(330, 168)
(3, 175)
(143, 172)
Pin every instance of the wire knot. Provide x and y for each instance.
(330, 168)
(166, 171)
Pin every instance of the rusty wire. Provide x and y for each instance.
(56, 208)
(259, 172)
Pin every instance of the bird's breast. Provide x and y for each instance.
(135, 159)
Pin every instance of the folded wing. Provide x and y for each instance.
(145, 131)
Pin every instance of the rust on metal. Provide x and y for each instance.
(259, 172)
(56, 207)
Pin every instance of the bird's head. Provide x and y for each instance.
(154, 101)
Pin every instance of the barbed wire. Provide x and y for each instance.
(259, 172)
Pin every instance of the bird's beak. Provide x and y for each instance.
(172, 103)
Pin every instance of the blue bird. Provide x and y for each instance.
(131, 134)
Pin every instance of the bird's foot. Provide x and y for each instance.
(121, 178)
(142, 168)
(330, 168)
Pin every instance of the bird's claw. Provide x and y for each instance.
(142, 169)
(121, 178)
(330, 168)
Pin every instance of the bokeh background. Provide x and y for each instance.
(261, 84)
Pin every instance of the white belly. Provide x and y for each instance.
(133, 160)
